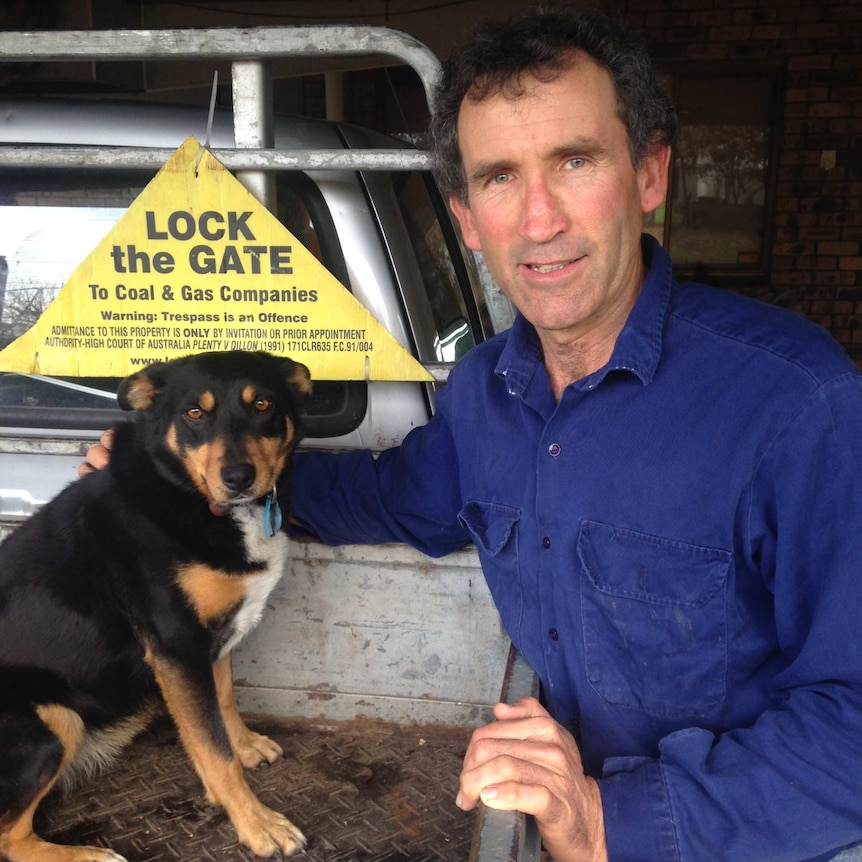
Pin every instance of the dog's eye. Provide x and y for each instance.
(194, 413)
(262, 405)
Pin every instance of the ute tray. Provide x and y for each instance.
(363, 791)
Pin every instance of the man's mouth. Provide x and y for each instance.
(546, 267)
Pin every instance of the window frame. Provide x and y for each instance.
(724, 274)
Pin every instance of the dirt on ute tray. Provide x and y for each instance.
(361, 791)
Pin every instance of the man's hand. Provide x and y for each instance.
(98, 455)
(527, 762)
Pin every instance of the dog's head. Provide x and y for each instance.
(226, 421)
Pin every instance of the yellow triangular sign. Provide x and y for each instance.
(196, 263)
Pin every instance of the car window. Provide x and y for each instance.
(456, 317)
(51, 220)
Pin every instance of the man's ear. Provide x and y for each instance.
(465, 219)
(652, 178)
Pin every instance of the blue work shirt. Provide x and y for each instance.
(675, 547)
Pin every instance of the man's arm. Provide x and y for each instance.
(788, 785)
(410, 493)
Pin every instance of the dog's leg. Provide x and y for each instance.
(251, 748)
(48, 739)
(195, 711)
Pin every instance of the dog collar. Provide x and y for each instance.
(272, 517)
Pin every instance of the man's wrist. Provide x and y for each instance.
(589, 844)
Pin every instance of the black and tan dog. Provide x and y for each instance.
(128, 590)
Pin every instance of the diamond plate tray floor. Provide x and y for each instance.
(361, 792)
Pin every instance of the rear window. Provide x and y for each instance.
(51, 220)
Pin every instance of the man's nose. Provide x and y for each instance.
(544, 213)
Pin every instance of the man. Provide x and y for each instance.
(662, 482)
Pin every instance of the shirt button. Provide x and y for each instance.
(554, 449)
(552, 634)
(546, 542)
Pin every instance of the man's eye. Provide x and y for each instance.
(577, 162)
(498, 179)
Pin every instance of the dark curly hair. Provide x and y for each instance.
(543, 42)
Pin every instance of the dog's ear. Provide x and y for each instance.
(298, 380)
(139, 390)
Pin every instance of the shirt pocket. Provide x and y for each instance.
(654, 620)
(494, 528)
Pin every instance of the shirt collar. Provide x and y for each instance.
(638, 346)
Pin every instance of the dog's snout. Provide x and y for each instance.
(238, 477)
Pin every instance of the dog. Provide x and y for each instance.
(126, 593)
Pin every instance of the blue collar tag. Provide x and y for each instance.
(272, 518)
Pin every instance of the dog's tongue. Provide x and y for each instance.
(217, 510)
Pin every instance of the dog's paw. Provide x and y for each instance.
(269, 832)
(252, 749)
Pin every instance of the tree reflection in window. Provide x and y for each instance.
(716, 216)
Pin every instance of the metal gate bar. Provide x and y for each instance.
(250, 50)
(509, 836)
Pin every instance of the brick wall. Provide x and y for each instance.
(816, 246)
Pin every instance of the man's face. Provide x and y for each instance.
(555, 204)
